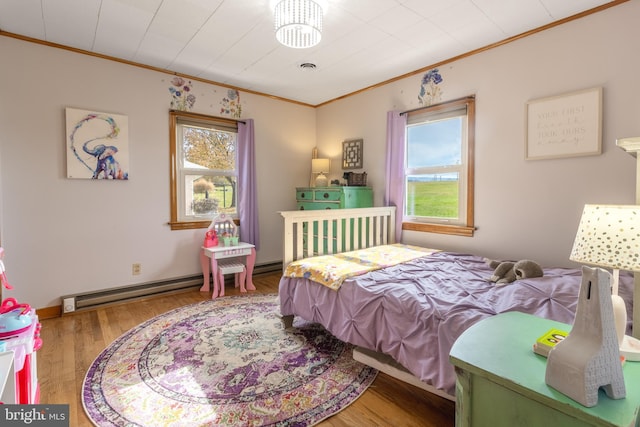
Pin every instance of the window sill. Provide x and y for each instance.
(188, 225)
(456, 230)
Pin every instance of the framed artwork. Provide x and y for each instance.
(97, 145)
(352, 154)
(564, 126)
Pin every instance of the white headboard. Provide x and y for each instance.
(317, 232)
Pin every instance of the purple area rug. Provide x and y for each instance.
(226, 362)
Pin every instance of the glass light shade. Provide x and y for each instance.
(298, 23)
(609, 236)
(320, 165)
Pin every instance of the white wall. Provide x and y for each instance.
(523, 209)
(65, 236)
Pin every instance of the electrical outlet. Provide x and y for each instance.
(136, 269)
(68, 305)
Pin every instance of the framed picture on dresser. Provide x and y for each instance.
(352, 154)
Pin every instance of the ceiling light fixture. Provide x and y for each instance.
(298, 23)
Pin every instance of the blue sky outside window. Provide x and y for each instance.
(434, 144)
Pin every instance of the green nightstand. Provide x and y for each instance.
(500, 380)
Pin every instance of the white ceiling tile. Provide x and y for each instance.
(179, 20)
(71, 22)
(477, 34)
(220, 35)
(396, 19)
(429, 8)
(506, 14)
(562, 9)
(340, 22)
(122, 25)
(423, 35)
(365, 10)
(457, 15)
(358, 40)
(22, 17)
(157, 50)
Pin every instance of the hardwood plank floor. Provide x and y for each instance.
(72, 342)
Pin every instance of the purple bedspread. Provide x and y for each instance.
(415, 311)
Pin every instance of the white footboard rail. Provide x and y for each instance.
(318, 232)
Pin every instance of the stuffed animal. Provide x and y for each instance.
(503, 272)
(510, 271)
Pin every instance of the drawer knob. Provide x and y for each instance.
(325, 195)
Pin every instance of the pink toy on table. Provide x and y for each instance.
(210, 239)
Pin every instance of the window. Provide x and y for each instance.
(204, 172)
(439, 168)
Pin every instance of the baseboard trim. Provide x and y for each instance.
(57, 311)
(49, 312)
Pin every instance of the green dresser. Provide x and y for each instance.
(317, 198)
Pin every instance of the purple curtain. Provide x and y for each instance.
(394, 190)
(248, 200)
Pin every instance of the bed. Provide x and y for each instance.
(404, 315)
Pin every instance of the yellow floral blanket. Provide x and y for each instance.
(332, 270)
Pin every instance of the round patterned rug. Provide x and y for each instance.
(225, 362)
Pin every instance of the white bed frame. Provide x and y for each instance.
(369, 227)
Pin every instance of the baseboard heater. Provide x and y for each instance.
(94, 299)
(71, 303)
(267, 268)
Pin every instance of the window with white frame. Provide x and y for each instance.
(204, 176)
(439, 168)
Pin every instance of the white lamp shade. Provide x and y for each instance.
(320, 165)
(609, 236)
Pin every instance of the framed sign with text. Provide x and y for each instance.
(567, 125)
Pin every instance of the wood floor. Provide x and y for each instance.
(72, 342)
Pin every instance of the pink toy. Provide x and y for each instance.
(210, 239)
(14, 318)
(20, 333)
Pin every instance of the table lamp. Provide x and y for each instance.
(320, 167)
(609, 236)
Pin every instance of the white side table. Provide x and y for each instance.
(209, 261)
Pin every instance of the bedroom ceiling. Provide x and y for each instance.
(232, 42)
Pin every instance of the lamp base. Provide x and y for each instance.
(630, 349)
(629, 346)
(322, 181)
